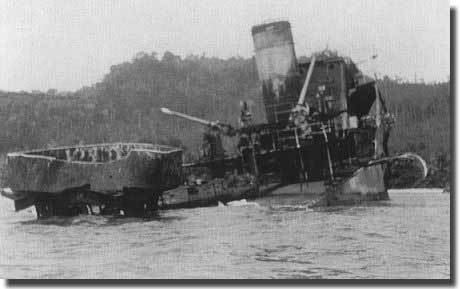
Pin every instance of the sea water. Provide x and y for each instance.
(405, 237)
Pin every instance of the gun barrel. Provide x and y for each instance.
(186, 116)
(307, 81)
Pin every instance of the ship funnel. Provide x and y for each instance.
(277, 68)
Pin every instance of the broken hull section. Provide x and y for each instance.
(366, 184)
(111, 176)
(212, 193)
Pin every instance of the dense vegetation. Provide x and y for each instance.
(423, 126)
(124, 106)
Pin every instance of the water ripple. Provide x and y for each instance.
(406, 237)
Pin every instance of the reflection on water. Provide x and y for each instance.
(405, 237)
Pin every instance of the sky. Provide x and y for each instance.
(66, 45)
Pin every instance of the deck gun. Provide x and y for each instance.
(224, 128)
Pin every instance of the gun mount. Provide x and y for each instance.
(216, 125)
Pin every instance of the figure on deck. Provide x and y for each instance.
(213, 150)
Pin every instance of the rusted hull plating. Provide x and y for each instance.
(366, 184)
(116, 175)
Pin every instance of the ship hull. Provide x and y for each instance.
(92, 174)
(364, 185)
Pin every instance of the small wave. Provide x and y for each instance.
(373, 234)
(67, 221)
(416, 190)
(98, 220)
(291, 208)
(344, 238)
(242, 202)
(271, 259)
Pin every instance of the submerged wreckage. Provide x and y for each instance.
(68, 181)
(327, 129)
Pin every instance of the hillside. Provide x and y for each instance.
(124, 106)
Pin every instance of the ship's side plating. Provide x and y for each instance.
(110, 178)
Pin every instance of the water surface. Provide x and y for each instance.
(405, 237)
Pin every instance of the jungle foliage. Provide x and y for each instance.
(125, 105)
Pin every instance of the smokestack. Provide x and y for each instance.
(277, 68)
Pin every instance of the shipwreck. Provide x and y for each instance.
(326, 132)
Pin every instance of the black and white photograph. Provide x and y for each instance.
(294, 140)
